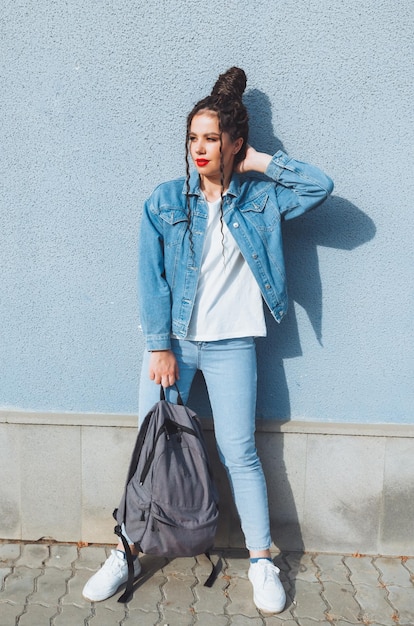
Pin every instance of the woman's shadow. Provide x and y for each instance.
(336, 224)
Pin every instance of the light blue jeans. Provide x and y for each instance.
(229, 369)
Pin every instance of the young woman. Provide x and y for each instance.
(210, 254)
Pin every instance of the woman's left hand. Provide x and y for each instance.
(254, 161)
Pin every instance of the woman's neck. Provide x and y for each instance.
(212, 189)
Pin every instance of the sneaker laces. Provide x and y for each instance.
(115, 564)
(270, 572)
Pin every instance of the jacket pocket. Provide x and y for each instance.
(262, 213)
(173, 215)
(175, 225)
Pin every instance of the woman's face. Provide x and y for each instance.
(204, 139)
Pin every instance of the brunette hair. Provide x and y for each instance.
(226, 102)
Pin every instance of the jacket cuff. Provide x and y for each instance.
(158, 342)
(277, 164)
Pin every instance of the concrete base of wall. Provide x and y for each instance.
(332, 487)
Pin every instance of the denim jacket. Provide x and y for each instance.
(169, 259)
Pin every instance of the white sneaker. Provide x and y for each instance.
(268, 592)
(113, 573)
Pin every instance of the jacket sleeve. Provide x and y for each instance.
(154, 292)
(301, 186)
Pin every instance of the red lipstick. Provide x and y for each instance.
(202, 162)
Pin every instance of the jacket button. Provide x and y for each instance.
(235, 224)
(267, 286)
(254, 256)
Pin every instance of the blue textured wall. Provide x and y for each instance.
(93, 102)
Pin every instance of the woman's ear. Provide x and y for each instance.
(237, 145)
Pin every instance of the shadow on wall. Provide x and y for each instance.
(336, 224)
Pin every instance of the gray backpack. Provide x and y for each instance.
(170, 503)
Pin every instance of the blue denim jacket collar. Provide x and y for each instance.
(195, 189)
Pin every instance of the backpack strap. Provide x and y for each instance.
(179, 399)
(127, 595)
(215, 570)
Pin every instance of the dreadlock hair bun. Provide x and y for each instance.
(226, 102)
(230, 85)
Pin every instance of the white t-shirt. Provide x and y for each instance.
(228, 301)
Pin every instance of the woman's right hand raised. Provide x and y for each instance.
(163, 368)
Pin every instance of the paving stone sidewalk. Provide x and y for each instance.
(41, 585)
